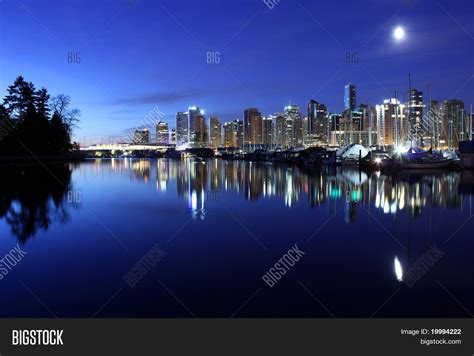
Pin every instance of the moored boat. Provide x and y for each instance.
(375, 162)
(416, 158)
(426, 164)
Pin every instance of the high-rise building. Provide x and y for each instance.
(230, 134)
(162, 133)
(433, 124)
(173, 137)
(197, 128)
(369, 117)
(214, 132)
(267, 123)
(252, 126)
(317, 123)
(306, 136)
(391, 121)
(294, 126)
(311, 111)
(334, 129)
(182, 128)
(141, 137)
(454, 127)
(240, 132)
(280, 130)
(321, 124)
(334, 122)
(358, 119)
(350, 97)
(358, 125)
(352, 123)
(256, 130)
(415, 117)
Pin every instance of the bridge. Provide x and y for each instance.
(110, 147)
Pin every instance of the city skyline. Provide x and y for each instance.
(416, 121)
(177, 67)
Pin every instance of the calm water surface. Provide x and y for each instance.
(222, 225)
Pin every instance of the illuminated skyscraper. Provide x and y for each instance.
(334, 122)
(162, 133)
(197, 128)
(182, 128)
(317, 123)
(141, 137)
(267, 123)
(256, 130)
(311, 111)
(252, 127)
(321, 125)
(415, 118)
(358, 119)
(350, 97)
(240, 133)
(280, 130)
(435, 118)
(454, 126)
(173, 137)
(230, 134)
(214, 132)
(391, 121)
(294, 126)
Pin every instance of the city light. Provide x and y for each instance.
(401, 150)
(354, 131)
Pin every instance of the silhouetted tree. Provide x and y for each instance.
(4, 117)
(70, 117)
(42, 102)
(20, 95)
(3, 112)
(75, 146)
(8, 132)
(33, 130)
(60, 141)
(26, 126)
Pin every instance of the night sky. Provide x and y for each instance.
(136, 55)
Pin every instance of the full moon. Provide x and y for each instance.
(399, 33)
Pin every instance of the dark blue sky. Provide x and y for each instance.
(137, 55)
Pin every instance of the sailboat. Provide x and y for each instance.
(417, 158)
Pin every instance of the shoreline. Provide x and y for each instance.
(42, 158)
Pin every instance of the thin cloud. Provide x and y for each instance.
(158, 97)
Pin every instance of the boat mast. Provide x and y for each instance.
(370, 124)
(328, 123)
(450, 138)
(430, 113)
(396, 120)
(437, 127)
(351, 138)
(470, 126)
(410, 119)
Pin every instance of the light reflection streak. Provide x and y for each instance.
(410, 191)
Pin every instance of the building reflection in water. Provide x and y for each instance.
(163, 175)
(141, 170)
(351, 189)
